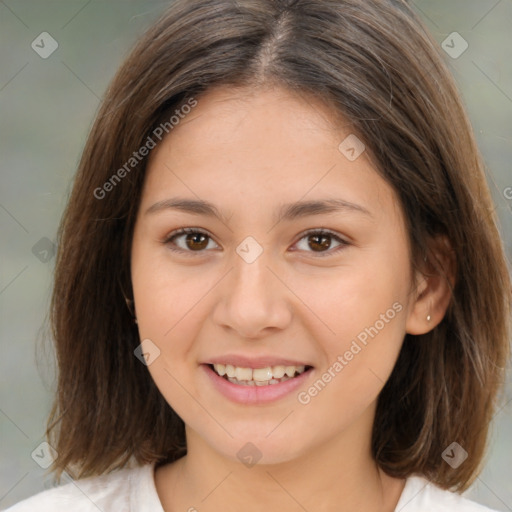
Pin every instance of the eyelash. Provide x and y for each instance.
(185, 231)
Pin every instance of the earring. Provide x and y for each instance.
(429, 318)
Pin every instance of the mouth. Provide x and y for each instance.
(267, 376)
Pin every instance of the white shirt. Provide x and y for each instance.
(133, 490)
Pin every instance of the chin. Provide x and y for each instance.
(253, 446)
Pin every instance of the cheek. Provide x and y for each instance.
(168, 301)
(350, 300)
(358, 361)
(365, 312)
(166, 296)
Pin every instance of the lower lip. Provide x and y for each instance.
(254, 395)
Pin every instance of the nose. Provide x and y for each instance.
(254, 301)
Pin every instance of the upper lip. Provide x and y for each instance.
(254, 362)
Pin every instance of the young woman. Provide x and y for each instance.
(280, 285)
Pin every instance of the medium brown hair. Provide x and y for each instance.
(375, 65)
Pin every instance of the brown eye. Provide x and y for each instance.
(196, 241)
(188, 240)
(320, 241)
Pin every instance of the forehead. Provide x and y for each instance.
(223, 111)
(242, 148)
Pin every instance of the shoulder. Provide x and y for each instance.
(118, 491)
(420, 495)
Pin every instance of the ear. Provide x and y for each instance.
(434, 284)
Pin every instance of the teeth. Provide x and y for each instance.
(278, 371)
(258, 376)
(243, 373)
(290, 371)
(220, 369)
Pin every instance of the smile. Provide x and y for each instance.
(270, 375)
(256, 386)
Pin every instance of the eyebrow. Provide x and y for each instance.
(286, 212)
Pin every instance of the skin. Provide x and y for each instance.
(248, 152)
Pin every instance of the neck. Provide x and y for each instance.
(338, 475)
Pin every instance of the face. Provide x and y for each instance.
(304, 306)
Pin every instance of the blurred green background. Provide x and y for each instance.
(47, 107)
